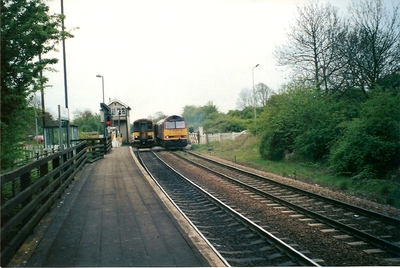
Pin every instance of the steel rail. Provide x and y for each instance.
(180, 211)
(369, 213)
(390, 247)
(290, 251)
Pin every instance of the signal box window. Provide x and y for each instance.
(117, 111)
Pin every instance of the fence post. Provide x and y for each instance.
(56, 164)
(43, 170)
(25, 183)
(65, 159)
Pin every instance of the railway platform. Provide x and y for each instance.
(113, 214)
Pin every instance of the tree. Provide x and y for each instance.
(220, 123)
(88, 122)
(372, 47)
(157, 116)
(245, 99)
(209, 108)
(313, 43)
(263, 92)
(27, 31)
(246, 96)
(34, 116)
(196, 115)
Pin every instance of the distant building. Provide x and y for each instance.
(120, 119)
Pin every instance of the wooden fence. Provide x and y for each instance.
(96, 148)
(28, 192)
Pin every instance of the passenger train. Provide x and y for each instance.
(143, 133)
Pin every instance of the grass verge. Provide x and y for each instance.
(244, 151)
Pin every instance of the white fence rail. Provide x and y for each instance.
(35, 151)
(197, 138)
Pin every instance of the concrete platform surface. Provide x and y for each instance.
(114, 215)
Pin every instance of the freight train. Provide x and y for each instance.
(170, 133)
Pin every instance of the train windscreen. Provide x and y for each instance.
(169, 125)
(180, 124)
(175, 124)
(143, 130)
(136, 127)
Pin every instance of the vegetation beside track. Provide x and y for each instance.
(245, 151)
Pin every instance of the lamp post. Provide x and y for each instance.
(254, 96)
(104, 112)
(102, 83)
(65, 72)
(119, 126)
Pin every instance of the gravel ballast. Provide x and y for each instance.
(304, 237)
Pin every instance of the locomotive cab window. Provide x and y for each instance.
(169, 125)
(180, 124)
(175, 124)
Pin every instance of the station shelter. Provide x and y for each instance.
(54, 136)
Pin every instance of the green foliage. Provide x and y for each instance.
(27, 31)
(304, 122)
(11, 149)
(246, 113)
(194, 116)
(244, 150)
(213, 121)
(280, 123)
(220, 123)
(88, 122)
(358, 137)
(370, 144)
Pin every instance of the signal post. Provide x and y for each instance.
(106, 117)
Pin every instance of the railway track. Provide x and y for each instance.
(238, 240)
(370, 231)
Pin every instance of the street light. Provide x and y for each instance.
(102, 83)
(65, 73)
(254, 96)
(104, 112)
(119, 126)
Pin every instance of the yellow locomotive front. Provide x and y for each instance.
(143, 134)
(172, 132)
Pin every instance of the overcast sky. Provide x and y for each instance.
(158, 56)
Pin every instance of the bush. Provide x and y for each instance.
(278, 127)
(359, 137)
(274, 144)
(302, 121)
(370, 144)
(220, 123)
